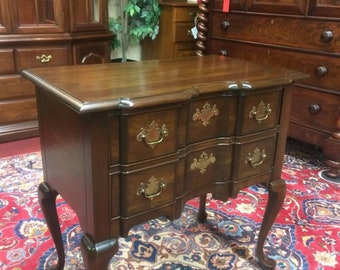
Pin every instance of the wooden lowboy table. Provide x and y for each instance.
(125, 143)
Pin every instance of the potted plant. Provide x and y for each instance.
(136, 20)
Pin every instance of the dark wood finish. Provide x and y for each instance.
(174, 38)
(303, 35)
(44, 34)
(125, 149)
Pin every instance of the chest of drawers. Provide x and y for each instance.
(304, 36)
(175, 38)
(125, 149)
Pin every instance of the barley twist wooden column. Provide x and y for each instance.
(202, 27)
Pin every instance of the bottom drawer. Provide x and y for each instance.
(18, 111)
(145, 189)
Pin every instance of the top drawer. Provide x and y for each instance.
(42, 57)
(292, 32)
(184, 14)
(148, 134)
(6, 62)
(258, 112)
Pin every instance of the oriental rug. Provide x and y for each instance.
(305, 234)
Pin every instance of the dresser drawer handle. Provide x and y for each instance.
(261, 112)
(326, 36)
(314, 108)
(152, 189)
(152, 135)
(321, 71)
(203, 162)
(256, 158)
(205, 114)
(44, 58)
(223, 52)
(225, 25)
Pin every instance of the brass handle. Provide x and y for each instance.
(314, 108)
(153, 135)
(225, 25)
(321, 71)
(256, 158)
(44, 58)
(152, 189)
(261, 112)
(326, 36)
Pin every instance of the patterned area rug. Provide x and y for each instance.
(305, 234)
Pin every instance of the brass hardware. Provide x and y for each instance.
(256, 158)
(261, 112)
(44, 58)
(152, 188)
(152, 135)
(203, 162)
(205, 114)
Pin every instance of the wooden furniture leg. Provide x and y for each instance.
(276, 196)
(47, 199)
(202, 214)
(331, 150)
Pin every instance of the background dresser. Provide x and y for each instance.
(175, 38)
(44, 34)
(302, 35)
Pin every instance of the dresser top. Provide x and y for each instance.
(88, 88)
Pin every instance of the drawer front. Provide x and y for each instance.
(185, 14)
(253, 156)
(183, 32)
(184, 49)
(259, 112)
(143, 190)
(205, 166)
(148, 135)
(323, 69)
(18, 111)
(15, 86)
(7, 65)
(41, 57)
(315, 109)
(298, 33)
(211, 118)
(91, 53)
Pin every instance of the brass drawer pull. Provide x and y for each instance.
(44, 58)
(261, 112)
(256, 158)
(203, 162)
(205, 114)
(152, 135)
(152, 189)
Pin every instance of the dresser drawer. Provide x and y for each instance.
(253, 155)
(315, 109)
(323, 69)
(183, 32)
(208, 164)
(7, 65)
(15, 86)
(20, 110)
(296, 33)
(148, 134)
(259, 112)
(41, 57)
(184, 49)
(145, 189)
(211, 118)
(185, 14)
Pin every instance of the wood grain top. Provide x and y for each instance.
(136, 84)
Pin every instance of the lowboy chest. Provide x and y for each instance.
(125, 143)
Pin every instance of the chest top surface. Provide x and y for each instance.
(101, 87)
